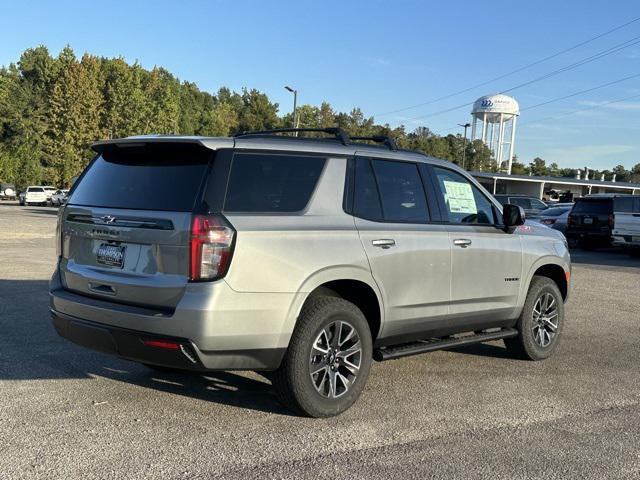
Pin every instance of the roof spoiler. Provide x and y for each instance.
(139, 141)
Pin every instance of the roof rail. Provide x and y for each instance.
(338, 133)
(384, 139)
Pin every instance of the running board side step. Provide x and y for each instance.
(424, 346)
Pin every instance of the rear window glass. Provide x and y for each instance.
(271, 183)
(521, 202)
(366, 201)
(401, 191)
(556, 211)
(35, 189)
(152, 177)
(627, 204)
(593, 207)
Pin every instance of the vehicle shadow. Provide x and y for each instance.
(611, 257)
(484, 350)
(42, 210)
(30, 349)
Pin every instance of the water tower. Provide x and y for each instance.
(497, 115)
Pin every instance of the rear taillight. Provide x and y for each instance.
(167, 345)
(211, 247)
(612, 221)
(571, 221)
(549, 221)
(59, 232)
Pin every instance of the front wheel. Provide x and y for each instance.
(540, 322)
(328, 359)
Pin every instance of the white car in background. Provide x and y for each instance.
(626, 229)
(49, 190)
(59, 197)
(34, 195)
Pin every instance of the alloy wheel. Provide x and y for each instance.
(545, 319)
(335, 360)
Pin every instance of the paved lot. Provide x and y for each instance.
(66, 412)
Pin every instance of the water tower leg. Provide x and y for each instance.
(492, 145)
(500, 141)
(513, 139)
(473, 129)
(484, 128)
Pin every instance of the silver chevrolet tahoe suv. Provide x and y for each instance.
(303, 258)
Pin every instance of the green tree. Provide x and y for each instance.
(76, 103)
(538, 167)
(220, 120)
(257, 112)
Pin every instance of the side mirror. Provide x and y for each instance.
(512, 216)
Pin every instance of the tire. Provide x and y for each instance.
(530, 343)
(634, 252)
(325, 394)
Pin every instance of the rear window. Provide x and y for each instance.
(152, 177)
(520, 202)
(261, 183)
(556, 211)
(594, 207)
(627, 204)
(35, 189)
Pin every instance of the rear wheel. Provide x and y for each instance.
(328, 359)
(540, 322)
(634, 252)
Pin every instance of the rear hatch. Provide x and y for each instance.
(126, 225)
(627, 216)
(35, 195)
(591, 215)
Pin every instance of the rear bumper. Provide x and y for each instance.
(626, 241)
(224, 329)
(589, 234)
(129, 344)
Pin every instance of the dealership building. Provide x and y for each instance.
(544, 187)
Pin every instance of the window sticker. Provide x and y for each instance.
(459, 197)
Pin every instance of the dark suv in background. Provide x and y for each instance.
(591, 221)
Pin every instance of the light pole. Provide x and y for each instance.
(464, 142)
(295, 104)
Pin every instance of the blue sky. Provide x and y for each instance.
(380, 56)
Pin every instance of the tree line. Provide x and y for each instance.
(53, 108)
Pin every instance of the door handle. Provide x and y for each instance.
(462, 242)
(383, 242)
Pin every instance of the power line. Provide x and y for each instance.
(573, 112)
(557, 99)
(537, 62)
(579, 63)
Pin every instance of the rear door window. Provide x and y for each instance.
(151, 177)
(401, 191)
(262, 183)
(366, 200)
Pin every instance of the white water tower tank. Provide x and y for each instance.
(497, 115)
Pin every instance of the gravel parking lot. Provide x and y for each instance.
(67, 412)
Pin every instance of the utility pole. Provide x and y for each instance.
(464, 142)
(295, 106)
